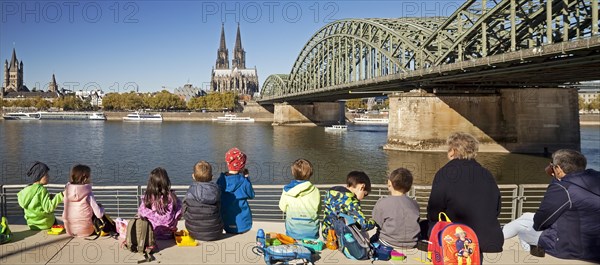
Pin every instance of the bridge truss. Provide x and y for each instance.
(483, 43)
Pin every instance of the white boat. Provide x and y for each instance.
(336, 128)
(233, 118)
(142, 116)
(60, 115)
(21, 116)
(368, 120)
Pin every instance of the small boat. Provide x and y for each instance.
(142, 116)
(72, 116)
(336, 128)
(368, 120)
(233, 118)
(21, 116)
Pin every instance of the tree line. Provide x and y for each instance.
(163, 100)
(593, 105)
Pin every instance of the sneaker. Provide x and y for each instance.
(422, 245)
(537, 251)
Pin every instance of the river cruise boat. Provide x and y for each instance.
(72, 116)
(233, 118)
(21, 116)
(142, 116)
(336, 128)
(369, 120)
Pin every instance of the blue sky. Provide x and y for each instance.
(120, 45)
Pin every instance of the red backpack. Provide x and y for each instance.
(451, 243)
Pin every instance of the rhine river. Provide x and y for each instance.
(123, 153)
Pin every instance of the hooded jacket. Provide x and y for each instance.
(80, 205)
(235, 192)
(202, 211)
(38, 206)
(341, 200)
(300, 201)
(163, 225)
(569, 217)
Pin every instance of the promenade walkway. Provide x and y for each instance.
(37, 247)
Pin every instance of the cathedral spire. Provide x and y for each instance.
(222, 53)
(239, 55)
(238, 40)
(14, 61)
(223, 46)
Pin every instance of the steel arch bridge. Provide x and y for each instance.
(484, 43)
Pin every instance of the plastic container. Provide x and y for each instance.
(313, 244)
(260, 238)
(397, 255)
(183, 239)
(56, 230)
(331, 240)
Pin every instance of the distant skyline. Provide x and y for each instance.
(119, 46)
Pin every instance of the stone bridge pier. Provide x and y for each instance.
(520, 120)
(317, 113)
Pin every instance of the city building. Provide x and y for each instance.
(188, 92)
(589, 91)
(13, 87)
(94, 96)
(238, 78)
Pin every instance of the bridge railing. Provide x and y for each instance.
(123, 201)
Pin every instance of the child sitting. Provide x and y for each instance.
(36, 202)
(300, 201)
(80, 203)
(236, 189)
(202, 205)
(346, 200)
(397, 215)
(160, 205)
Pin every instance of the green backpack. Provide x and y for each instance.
(140, 238)
(5, 234)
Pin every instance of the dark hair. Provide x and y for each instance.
(302, 169)
(570, 161)
(358, 177)
(401, 179)
(158, 192)
(80, 174)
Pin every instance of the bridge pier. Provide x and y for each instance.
(520, 120)
(317, 113)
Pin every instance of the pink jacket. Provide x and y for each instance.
(80, 204)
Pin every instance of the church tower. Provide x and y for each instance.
(13, 74)
(53, 86)
(239, 55)
(222, 53)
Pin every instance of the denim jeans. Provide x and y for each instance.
(522, 227)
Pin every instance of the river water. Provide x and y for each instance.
(123, 153)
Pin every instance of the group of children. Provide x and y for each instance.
(211, 207)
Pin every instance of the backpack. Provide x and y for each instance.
(5, 234)
(352, 240)
(104, 226)
(285, 254)
(140, 238)
(453, 243)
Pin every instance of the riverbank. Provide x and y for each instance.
(589, 119)
(193, 116)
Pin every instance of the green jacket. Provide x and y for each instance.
(39, 206)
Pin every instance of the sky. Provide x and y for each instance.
(119, 46)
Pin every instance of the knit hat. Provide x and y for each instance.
(236, 160)
(37, 171)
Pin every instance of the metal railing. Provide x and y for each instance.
(123, 201)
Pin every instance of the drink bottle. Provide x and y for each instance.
(260, 238)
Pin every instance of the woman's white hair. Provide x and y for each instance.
(465, 146)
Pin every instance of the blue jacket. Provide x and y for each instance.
(235, 192)
(569, 217)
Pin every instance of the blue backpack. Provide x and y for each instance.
(352, 240)
(285, 254)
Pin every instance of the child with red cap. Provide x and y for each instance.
(236, 189)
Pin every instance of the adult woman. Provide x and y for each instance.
(467, 193)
